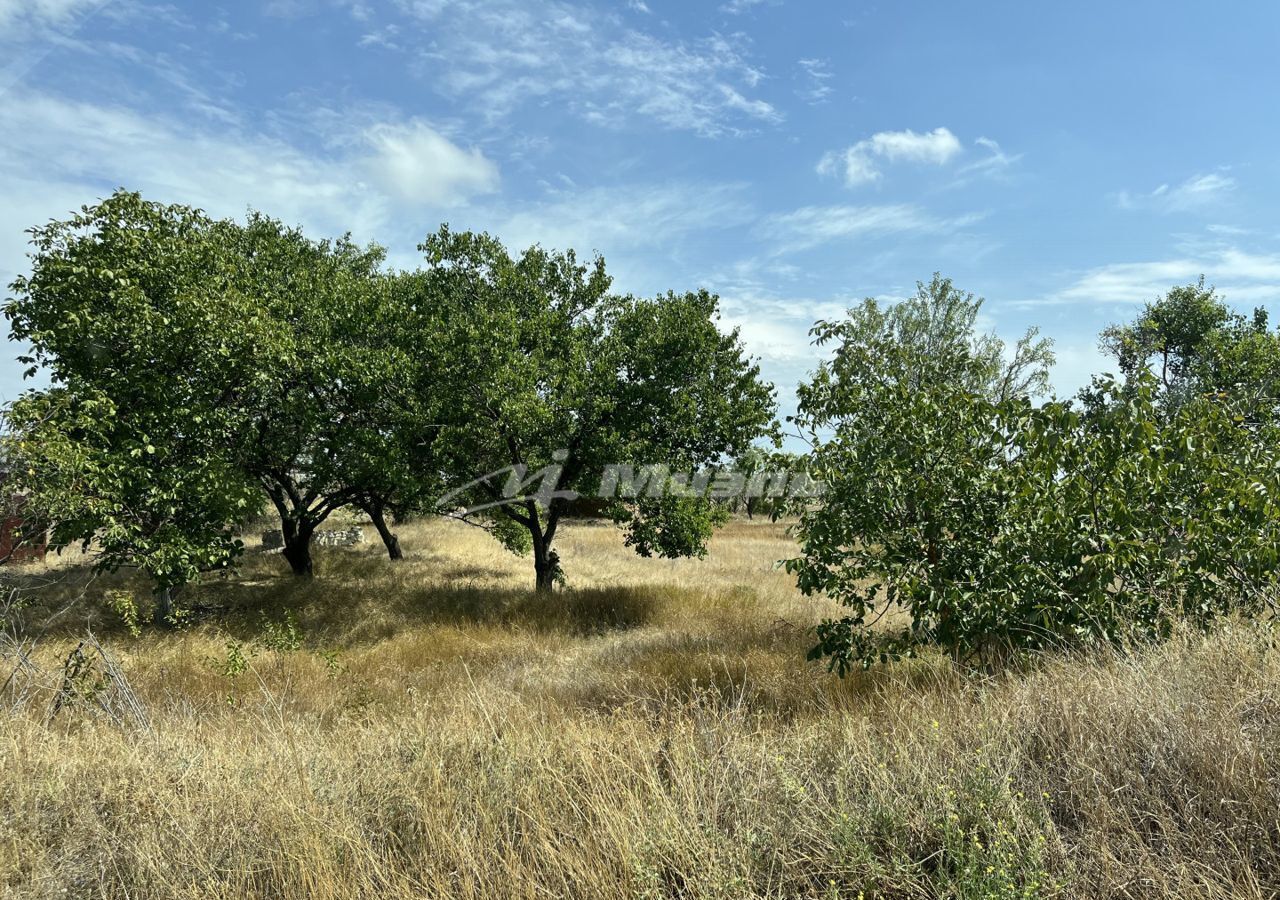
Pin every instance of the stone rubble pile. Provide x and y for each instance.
(335, 537)
(339, 537)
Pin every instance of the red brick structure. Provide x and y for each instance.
(14, 544)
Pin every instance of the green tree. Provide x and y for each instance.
(933, 336)
(901, 419)
(1197, 345)
(129, 309)
(999, 526)
(547, 368)
(242, 348)
(766, 474)
(327, 398)
(1170, 336)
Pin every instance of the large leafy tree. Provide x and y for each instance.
(546, 367)
(1170, 337)
(228, 354)
(996, 525)
(134, 312)
(901, 423)
(899, 415)
(322, 415)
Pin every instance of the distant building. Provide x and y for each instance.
(19, 540)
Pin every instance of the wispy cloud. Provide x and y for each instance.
(14, 13)
(1196, 192)
(417, 164)
(32, 29)
(774, 324)
(815, 74)
(503, 55)
(387, 38)
(811, 226)
(994, 163)
(737, 7)
(376, 177)
(1241, 276)
(860, 163)
(620, 219)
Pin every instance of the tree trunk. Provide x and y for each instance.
(297, 548)
(162, 616)
(546, 565)
(546, 562)
(389, 538)
(300, 516)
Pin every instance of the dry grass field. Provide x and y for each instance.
(433, 729)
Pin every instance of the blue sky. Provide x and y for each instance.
(1066, 161)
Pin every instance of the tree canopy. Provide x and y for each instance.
(1000, 526)
(132, 309)
(1194, 344)
(545, 367)
(196, 366)
(200, 366)
(201, 369)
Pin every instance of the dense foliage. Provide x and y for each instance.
(1194, 344)
(201, 369)
(999, 526)
(132, 309)
(199, 366)
(545, 367)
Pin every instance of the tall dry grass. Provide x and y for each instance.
(440, 731)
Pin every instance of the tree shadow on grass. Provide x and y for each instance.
(354, 599)
(365, 619)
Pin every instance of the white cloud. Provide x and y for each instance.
(1240, 276)
(935, 147)
(1196, 192)
(816, 74)
(810, 226)
(757, 108)
(994, 163)
(31, 29)
(646, 232)
(773, 327)
(859, 164)
(503, 55)
(737, 7)
(84, 151)
(1075, 364)
(417, 164)
(382, 37)
(45, 12)
(1230, 230)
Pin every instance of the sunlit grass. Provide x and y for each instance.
(652, 731)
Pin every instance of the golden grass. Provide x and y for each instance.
(653, 731)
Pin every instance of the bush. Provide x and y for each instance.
(1001, 527)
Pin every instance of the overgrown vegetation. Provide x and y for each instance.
(648, 732)
(1070, 599)
(1001, 526)
(198, 365)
